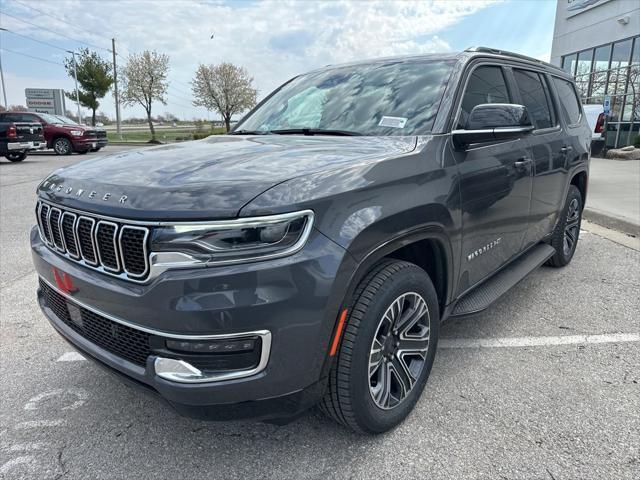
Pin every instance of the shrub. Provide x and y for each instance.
(636, 141)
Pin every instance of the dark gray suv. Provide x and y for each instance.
(311, 255)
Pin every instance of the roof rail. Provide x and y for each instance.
(497, 51)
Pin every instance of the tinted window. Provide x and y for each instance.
(386, 98)
(486, 85)
(568, 100)
(535, 96)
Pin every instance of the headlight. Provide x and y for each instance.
(76, 133)
(236, 241)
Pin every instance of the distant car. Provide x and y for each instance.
(62, 134)
(17, 139)
(595, 119)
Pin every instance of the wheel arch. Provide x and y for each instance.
(580, 180)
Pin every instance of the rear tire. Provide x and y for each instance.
(567, 232)
(16, 156)
(384, 345)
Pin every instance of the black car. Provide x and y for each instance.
(310, 256)
(17, 139)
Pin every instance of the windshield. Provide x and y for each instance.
(394, 98)
(50, 118)
(66, 120)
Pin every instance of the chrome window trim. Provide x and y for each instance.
(73, 231)
(144, 249)
(115, 245)
(86, 261)
(265, 336)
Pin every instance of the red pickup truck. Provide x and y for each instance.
(61, 133)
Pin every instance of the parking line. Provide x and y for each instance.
(537, 341)
(71, 357)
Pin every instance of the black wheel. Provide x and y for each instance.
(96, 149)
(387, 349)
(567, 230)
(16, 156)
(62, 146)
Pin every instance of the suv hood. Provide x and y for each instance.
(207, 179)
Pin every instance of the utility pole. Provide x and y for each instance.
(115, 88)
(4, 90)
(75, 75)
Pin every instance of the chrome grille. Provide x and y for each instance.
(54, 226)
(111, 247)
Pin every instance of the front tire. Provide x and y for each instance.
(62, 146)
(16, 156)
(567, 232)
(387, 349)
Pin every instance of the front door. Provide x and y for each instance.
(495, 185)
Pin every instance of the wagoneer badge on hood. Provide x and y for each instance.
(79, 192)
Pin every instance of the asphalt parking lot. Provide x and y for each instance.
(543, 385)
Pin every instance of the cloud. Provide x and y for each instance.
(274, 40)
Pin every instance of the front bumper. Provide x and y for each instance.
(81, 143)
(293, 298)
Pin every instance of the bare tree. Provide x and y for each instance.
(224, 88)
(144, 81)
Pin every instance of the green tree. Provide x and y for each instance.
(94, 79)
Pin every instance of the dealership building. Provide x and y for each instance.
(598, 42)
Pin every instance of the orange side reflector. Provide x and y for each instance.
(336, 336)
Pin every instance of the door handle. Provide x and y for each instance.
(566, 149)
(522, 163)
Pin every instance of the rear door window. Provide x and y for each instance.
(534, 95)
(569, 103)
(486, 85)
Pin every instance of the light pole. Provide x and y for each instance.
(75, 75)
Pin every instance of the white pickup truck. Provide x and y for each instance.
(595, 119)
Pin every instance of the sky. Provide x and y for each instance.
(273, 40)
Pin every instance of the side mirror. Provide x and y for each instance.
(490, 122)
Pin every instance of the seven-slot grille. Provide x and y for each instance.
(124, 341)
(110, 247)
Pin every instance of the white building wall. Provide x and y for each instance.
(595, 24)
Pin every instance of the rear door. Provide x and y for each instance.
(495, 183)
(547, 147)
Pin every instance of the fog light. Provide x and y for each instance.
(212, 346)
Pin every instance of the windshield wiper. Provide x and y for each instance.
(251, 132)
(315, 131)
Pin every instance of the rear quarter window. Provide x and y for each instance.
(569, 103)
(535, 96)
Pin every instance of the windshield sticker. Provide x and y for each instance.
(393, 122)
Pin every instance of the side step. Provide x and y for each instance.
(488, 292)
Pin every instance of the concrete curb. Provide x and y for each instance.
(611, 222)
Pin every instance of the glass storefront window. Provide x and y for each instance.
(569, 63)
(621, 54)
(582, 72)
(601, 58)
(612, 70)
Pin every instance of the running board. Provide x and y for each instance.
(488, 292)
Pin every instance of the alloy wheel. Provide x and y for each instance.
(399, 350)
(61, 146)
(572, 226)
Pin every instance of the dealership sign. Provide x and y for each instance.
(45, 100)
(574, 7)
